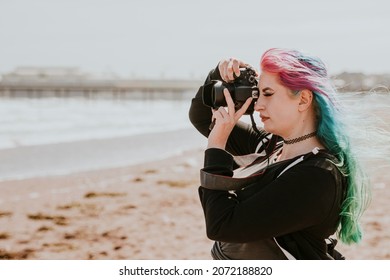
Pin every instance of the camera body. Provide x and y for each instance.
(243, 87)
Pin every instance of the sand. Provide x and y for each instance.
(147, 211)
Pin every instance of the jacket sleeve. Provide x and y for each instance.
(303, 196)
(243, 139)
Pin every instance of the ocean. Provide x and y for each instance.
(54, 136)
(26, 122)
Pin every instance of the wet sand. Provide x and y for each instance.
(69, 157)
(148, 211)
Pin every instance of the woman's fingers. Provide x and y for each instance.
(233, 69)
(231, 112)
(229, 102)
(230, 68)
(243, 109)
(222, 66)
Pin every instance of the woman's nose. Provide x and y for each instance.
(259, 105)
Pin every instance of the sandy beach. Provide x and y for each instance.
(146, 211)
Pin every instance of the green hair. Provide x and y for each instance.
(298, 71)
(332, 133)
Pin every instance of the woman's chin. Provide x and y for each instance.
(268, 129)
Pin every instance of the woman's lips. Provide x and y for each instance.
(263, 119)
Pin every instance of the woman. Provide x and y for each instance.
(305, 184)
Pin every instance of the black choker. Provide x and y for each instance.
(299, 139)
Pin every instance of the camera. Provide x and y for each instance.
(243, 87)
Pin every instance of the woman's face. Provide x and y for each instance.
(277, 105)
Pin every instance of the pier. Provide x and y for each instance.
(38, 82)
(100, 88)
(70, 82)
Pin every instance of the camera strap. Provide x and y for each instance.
(254, 126)
(227, 183)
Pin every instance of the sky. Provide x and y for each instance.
(185, 39)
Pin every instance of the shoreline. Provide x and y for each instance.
(82, 156)
(139, 212)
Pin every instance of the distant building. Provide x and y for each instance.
(351, 82)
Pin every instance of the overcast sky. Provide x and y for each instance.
(184, 39)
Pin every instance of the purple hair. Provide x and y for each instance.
(298, 71)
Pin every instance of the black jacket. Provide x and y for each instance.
(300, 208)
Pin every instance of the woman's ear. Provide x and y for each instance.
(306, 98)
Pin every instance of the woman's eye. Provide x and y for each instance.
(267, 94)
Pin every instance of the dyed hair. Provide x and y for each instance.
(298, 71)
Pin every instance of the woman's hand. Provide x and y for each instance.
(228, 67)
(225, 120)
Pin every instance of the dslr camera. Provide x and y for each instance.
(243, 87)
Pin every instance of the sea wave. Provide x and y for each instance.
(25, 122)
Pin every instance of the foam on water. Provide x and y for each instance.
(25, 122)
